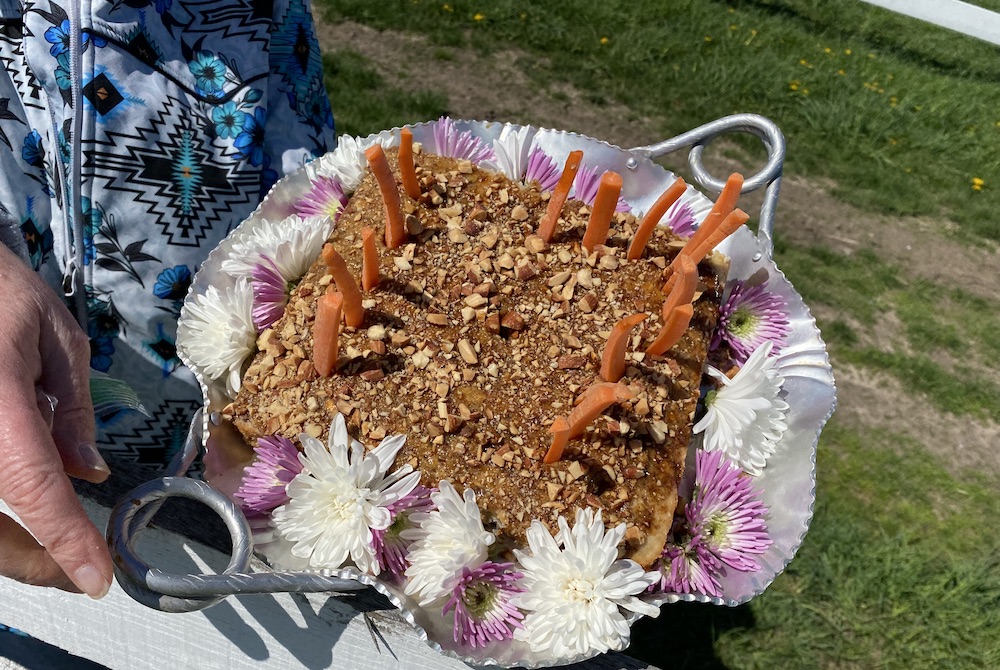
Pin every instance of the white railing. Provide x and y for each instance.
(952, 14)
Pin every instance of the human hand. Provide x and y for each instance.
(41, 346)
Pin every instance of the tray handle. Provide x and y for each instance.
(170, 592)
(769, 177)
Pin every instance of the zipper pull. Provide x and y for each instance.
(69, 279)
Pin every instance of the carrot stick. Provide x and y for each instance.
(722, 207)
(547, 227)
(407, 171)
(653, 216)
(596, 399)
(326, 332)
(613, 358)
(395, 231)
(369, 259)
(681, 291)
(673, 329)
(354, 313)
(605, 203)
(734, 220)
(560, 436)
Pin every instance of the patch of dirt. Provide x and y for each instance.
(808, 213)
(878, 401)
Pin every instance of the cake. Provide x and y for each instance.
(478, 335)
(470, 375)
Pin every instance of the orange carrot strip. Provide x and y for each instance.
(547, 227)
(613, 358)
(605, 203)
(369, 264)
(729, 225)
(354, 313)
(673, 329)
(653, 216)
(720, 210)
(395, 230)
(682, 291)
(560, 436)
(407, 171)
(596, 399)
(326, 332)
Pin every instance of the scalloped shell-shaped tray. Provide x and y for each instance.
(788, 481)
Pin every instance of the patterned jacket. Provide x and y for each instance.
(134, 134)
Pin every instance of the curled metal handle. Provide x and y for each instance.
(189, 592)
(769, 177)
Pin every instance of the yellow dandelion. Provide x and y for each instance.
(805, 91)
(604, 40)
(793, 85)
(907, 169)
(841, 72)
(732, 10)
(977, 184)
(447, 8)
(827, 50)
(893, 101)
(847, 52)
(733, 26)
(523, 16)
(708, 38)
(478, 17)
(893, 141)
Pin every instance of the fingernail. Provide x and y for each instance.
(91, 458)
(90, 580)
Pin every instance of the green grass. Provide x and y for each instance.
(903, 115)
(363, 103)
(897, 571)
(937, 341)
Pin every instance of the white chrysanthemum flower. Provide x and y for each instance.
(445, 540)
(512, 150)
(341, 495)
(293, 244)
(574, 595)
(347, 162)
(217, 332)
(745, 418)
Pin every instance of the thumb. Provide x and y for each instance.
(24, 560)
(66, 388)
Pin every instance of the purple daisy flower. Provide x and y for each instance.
(588, 180)
(751, 316)
(680, 219)
(264, 480)
(726, 514)
(688, 568)
(390, 548)
(325, 198)
(270, 293)
(450, 142)
(481, 600)
(543, 169)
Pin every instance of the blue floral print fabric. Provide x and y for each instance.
(148, 129)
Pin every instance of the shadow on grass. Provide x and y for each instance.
(683, 636)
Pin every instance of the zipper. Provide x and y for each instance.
(74, 276)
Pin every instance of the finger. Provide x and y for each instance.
(37, 490)
(26, 561)
(66, 376)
